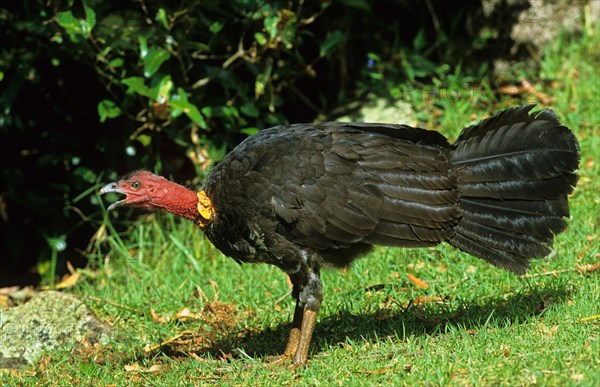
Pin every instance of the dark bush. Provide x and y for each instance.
(93, 89)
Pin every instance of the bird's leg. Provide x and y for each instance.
(309, 321)
(308, 293)
(310, 298)
(294, 338)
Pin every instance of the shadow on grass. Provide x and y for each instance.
(399, 322)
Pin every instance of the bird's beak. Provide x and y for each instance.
(113, 187)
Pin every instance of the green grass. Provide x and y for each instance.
(474, 325)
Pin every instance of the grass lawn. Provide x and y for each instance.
(185, 314)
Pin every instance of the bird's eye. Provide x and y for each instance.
(136, 185)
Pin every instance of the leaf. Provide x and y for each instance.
(333, 41)
(420, 40)
(249, 109)
(70, 24)
(143, 46)
(428, 300)
(161, 16)
(88, 24)
(154, 59)
(144, 139)
(262, 80)
(117, 62)
(287, 27)
(108, 109)
(161, 92)
(190, 110)
(417, 281)
(68, 280)
(135, 367)
(260, 38)
(249, 131)
(77, 28)
(270, 24)
(216, 27)
(136, 85)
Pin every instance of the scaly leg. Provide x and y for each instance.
(309, 321)
(294, 338)
(308, 293)
(309, 299)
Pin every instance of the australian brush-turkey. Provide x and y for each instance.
(304, 196)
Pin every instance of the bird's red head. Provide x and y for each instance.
(147, 190)
(141, 189)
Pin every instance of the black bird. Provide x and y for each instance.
(304, 196)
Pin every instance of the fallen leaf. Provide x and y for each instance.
(154, 368)
(588, 268)
(225, 356)
(135, 367)
(510, 90)
(427, 299)
(417, 281)
(15, 295)
(9, 290)
(527, 88)
(185, 313)
(577, 377)
(157, 318)
(589, 164)
(68, 280)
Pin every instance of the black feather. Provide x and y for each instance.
(514, 173)
(499, 193)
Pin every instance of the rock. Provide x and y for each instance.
(540, 22)
(523, 28)
(50, 321)
(382, 111)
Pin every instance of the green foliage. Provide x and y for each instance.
(92, 89)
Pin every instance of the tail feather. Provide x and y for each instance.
(514, 173)
(520, 216)
(521, 189)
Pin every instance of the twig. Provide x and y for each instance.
(554, 272)
(78, 212)
(588, 319)
(580, 268)
(172, 339)
(280, 299)
(240, 53)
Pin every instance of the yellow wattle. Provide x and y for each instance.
(205, 209)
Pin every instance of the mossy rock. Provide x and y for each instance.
(50, 321)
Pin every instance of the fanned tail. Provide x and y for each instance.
(514, 172)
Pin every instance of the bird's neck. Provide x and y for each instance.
(179, 201)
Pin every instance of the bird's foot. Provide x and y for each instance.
(284, 361)
(278, 360)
